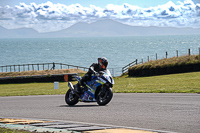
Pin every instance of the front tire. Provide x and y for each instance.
(104, 98)
(70, 98)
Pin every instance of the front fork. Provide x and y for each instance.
(72, 89)
(102, 91)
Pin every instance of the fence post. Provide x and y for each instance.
(156, 56)
(148, 58)
(199, 51)
(166, 54)
(38, 66)
(177, 53)
(136, 61)
(189, 52)
(142, 61)
(53, 66)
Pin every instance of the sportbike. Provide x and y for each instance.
(98, 89)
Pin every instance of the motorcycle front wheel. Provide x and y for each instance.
(104, 98)
(70, 98)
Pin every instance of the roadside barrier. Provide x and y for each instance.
(38, 78)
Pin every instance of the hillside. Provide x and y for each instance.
(18, 33)
(109, 27)
(101, 28)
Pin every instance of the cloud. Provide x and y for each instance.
(47, 16)
(196, 1)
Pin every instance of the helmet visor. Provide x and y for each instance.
(101, 64)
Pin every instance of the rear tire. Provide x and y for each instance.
(103, 99)
(71, 99)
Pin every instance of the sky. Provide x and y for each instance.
(87, 3)
(54, 15)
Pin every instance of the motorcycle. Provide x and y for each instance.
(98, 89)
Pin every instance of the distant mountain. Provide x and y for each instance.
(100, 28)
(18, 33)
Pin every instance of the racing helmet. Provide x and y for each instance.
(103, 62)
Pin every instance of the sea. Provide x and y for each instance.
(84, 51)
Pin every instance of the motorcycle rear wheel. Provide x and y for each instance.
(70, 98)
(105, 98)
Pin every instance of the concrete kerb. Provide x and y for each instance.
(34, 128)
(61, 126)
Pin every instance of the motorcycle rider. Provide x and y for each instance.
(95, 68)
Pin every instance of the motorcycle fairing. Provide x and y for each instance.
(89, 95)
(93, 84)
(107, 76)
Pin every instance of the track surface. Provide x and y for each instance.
(168, 112)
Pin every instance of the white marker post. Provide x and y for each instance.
(56, 85)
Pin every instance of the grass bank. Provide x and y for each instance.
(173, 83)
(170, 62)
(41, 72)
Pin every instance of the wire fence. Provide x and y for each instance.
(38, 66)
(167, 55)
(49, 66)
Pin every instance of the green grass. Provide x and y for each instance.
(174, 83)
(5, 130)
(32, 89)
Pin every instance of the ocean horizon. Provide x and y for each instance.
(84, 51)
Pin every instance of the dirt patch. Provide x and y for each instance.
(42, 72)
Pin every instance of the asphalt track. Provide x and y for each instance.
(163, 112)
